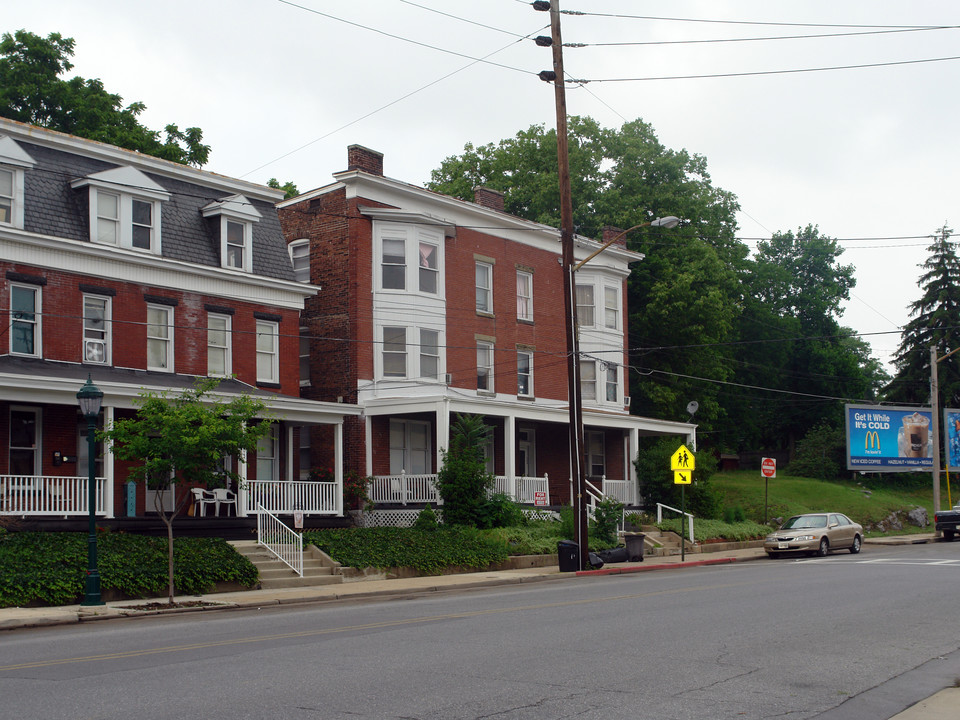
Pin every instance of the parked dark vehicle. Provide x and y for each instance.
(948, 522)
(815, 534)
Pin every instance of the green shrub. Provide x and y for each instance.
(426, 519)
(499, 511)
(606, 517)
(463, 482)
(568, 525)
(734, 514)
(820, 454)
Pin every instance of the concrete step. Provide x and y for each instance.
(275, 574)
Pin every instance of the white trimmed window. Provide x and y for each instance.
(524, 295)
(394, 351)
(25, 320)
(429, 354)
(429, 254)
(393, 268)
(96, 329)
(124, 208)
(584, 296)
(410, 447)
(484, 282)
(596, 459)
(268, 355)
(408, 258)
(300, 257)
(304, 356)
(485, 366)
(236, 244)
(524, 373)
(160, 338)
(219, 345)
(588, 380)
(612, 383)
(267, 458)
(611, 308)
(13, 162)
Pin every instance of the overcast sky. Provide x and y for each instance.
(280, 89)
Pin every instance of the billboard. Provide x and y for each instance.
(951, 425)
(884, 439)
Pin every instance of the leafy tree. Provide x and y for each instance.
(821, 454)
(185, 436)
(289, 189)
(33, 91)
(463, 481)
(935, 322)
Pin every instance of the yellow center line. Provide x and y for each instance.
(354, 628)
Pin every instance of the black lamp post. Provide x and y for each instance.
(89, 398)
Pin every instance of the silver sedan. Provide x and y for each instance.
(815, 534)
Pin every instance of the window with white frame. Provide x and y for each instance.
(429, 267)
(524, 295)
(218, 345)
(394, 352)
(8, 196)
(429, 354)
(588, 380)
(488, 450)
(303, 453)
(393, 263)
(612, 383)
(596, 458)
(300, 257)
(267, 455)
(25, 437)
(584, 297)
(409, 447)
(236, 242)
(611, 308)
(268, 355)
(484, 366)
(160, 338)
(121, 217)
(525, 373)
(96, 329)
(484, 281)
(25, 320)
(304, 356)
(14, 161)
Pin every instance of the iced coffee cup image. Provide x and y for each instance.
(914, 436)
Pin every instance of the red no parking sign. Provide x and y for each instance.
(768, 467)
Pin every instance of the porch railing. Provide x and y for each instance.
(283, 497)
(524, 488)
(279, 540)
(620, 490)
(48, 495)
(403, 489)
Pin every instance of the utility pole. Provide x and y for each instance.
(569, 288)
(934, 421)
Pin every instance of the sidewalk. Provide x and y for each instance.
(941, 706)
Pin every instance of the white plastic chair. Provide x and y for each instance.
(222, 496)
(202, 498)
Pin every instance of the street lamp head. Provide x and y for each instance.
(89, 398)
(667, 222)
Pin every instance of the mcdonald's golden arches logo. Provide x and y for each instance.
(871, 441)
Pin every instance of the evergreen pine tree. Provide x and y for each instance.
(935, 321)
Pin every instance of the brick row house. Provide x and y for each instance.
(143, 274)
(432, 306)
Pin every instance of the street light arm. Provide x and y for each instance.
(666, 222)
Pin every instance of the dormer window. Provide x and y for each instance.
(13, 162)
(237, 216)
(124, 209)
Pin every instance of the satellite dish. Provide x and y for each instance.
(692, 407)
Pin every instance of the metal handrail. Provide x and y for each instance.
(660, 508)
(280, 540)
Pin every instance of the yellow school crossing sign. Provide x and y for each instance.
(683, 463)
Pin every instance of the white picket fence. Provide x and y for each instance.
(49, 495)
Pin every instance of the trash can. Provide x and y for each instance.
(634, 543)
(568, 556)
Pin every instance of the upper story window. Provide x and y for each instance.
(13, 162)
(588, 380)
(611, 308)
(304, 356)
(524, 295)
(124, 208)
(394, 352)
(96, 329)
(219, 345)
(612, 384)
(584, 296)
(300, 257)
(484, 275)
(429, 354)
(485, 366)
(160, 338)
(525, 373)
(237, 216)
(25, 320)
(268, 363)
(409, 258)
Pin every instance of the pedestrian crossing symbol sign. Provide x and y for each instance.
(683, 460)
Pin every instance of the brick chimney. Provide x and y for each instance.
(610, 232)
(365, 159)
(488, 198)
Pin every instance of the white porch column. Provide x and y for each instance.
(633, 447)
(338, 465)
(242, 484)
(367, 444)
(108, 469)
(509, 453)
(692, 439)
(288, 434)
(443, 430)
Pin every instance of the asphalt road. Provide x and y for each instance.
(766, 639)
